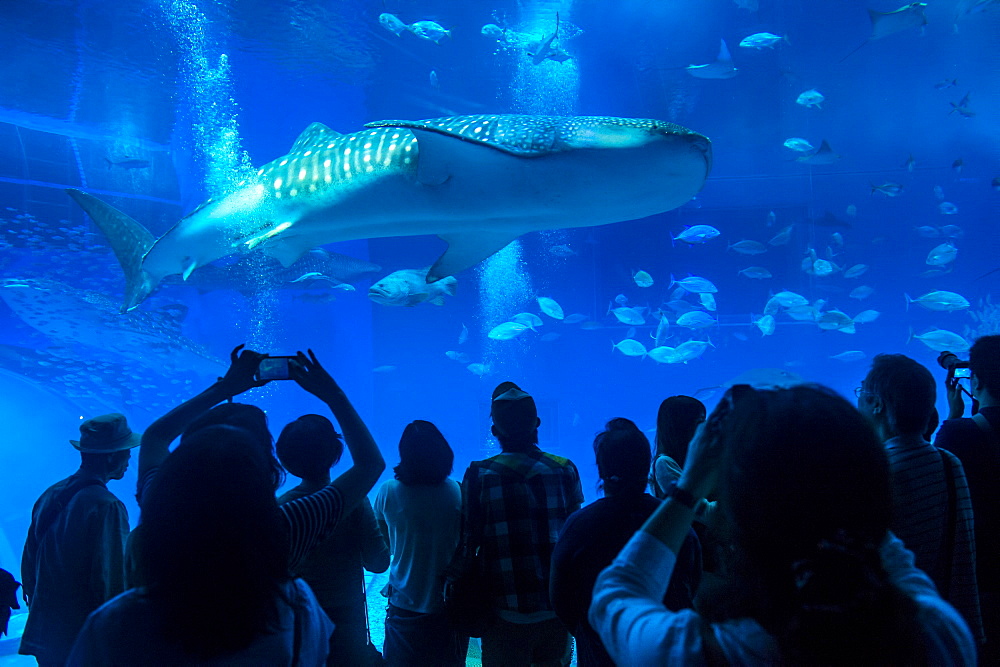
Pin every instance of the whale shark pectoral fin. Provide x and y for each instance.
(466, 250)
(436, 156)
(314, 136)
(129, 240)
(289, 249)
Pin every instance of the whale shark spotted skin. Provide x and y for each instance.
(478, 182)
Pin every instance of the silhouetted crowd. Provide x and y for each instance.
(786, 527)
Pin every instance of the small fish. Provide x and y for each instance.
(409, 287)
(787, 299)
(939, 192)
(550, 307)
(956, 166)
(837, 239)
(952, 232)
(852, 210)
(433, 79)
(888, 188)
(507, 331)
(429, 30)
(835, 320)
(642, 279)
(562, 250)
(722, 68)
(771, 218)
(463, 335)
(910, 163)
(822, 155)
(942, 340)
(460, 357)
(822, 267)
(940, 300)
(765, 323)
(691, 349)
(695, 284)
(696, 319)
(848, 356)
(947, 83)
(529, 320)
(630, 348)
(861, 292)
(478, 370)
(621, 300)
(663, 354)
(392, 23)
(575, 318)
(748, 247)
(548, 48)
(962, 107)
(761, 40)
(811, 99)
(383, 369)
(947, 208)
(630, 316)
(756, 272)
(128, 163)
(782, 237)
(856, 271)
(707, 301)
(662, 331)
(942, 254)
(799, 145)
(697, 234)
(866, 316)
(928, 232)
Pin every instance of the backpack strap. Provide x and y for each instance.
(59, 503)
(948, 544)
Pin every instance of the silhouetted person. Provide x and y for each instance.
(818, 579)
(8, 598)
(513, 506)
(976, 443)
(676, 421)
(218, 590)
(308, 447)
(932, 511)
(593, 536)
(420, 511)
(73, 557)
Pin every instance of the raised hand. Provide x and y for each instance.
(311, 376)
(242, 371)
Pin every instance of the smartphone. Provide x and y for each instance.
(273, 368)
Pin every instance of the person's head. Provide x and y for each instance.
(984, 362)
(217, 540)
(250, 418)
(105, 445)
(676, 422)
(623, 457)
(425, 457)
(515, 418)
(309, 446)
(806, 542)
(898, 395)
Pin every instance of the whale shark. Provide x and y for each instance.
(478, 182)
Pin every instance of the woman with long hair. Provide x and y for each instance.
(676, 421)
(216, 570)
(420, 513)
(816, 576)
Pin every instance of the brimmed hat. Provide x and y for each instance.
(513, 410)
(106, 434)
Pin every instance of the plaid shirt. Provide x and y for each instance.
(513, 507)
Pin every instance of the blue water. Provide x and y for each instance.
(204, 92)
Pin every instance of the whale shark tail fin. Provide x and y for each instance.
(129, 240)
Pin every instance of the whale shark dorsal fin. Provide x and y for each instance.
(724, 55)
(466, 249)
(314, 136)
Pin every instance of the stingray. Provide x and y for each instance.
(822, 155)
(889, 23)
(722, 68)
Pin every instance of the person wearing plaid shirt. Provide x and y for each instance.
(514, 505)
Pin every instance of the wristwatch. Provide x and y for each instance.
(682, 496)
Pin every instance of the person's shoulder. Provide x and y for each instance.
(958, 434)
(558, 461)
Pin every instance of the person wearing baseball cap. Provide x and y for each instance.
(73, 558)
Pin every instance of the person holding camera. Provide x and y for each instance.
(976, 443)
(817, 578)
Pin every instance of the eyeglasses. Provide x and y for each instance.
(858, 391)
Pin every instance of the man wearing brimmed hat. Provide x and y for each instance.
(73, 556)
(513, 506)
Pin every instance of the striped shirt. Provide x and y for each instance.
(308, 520)
(921, 519)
